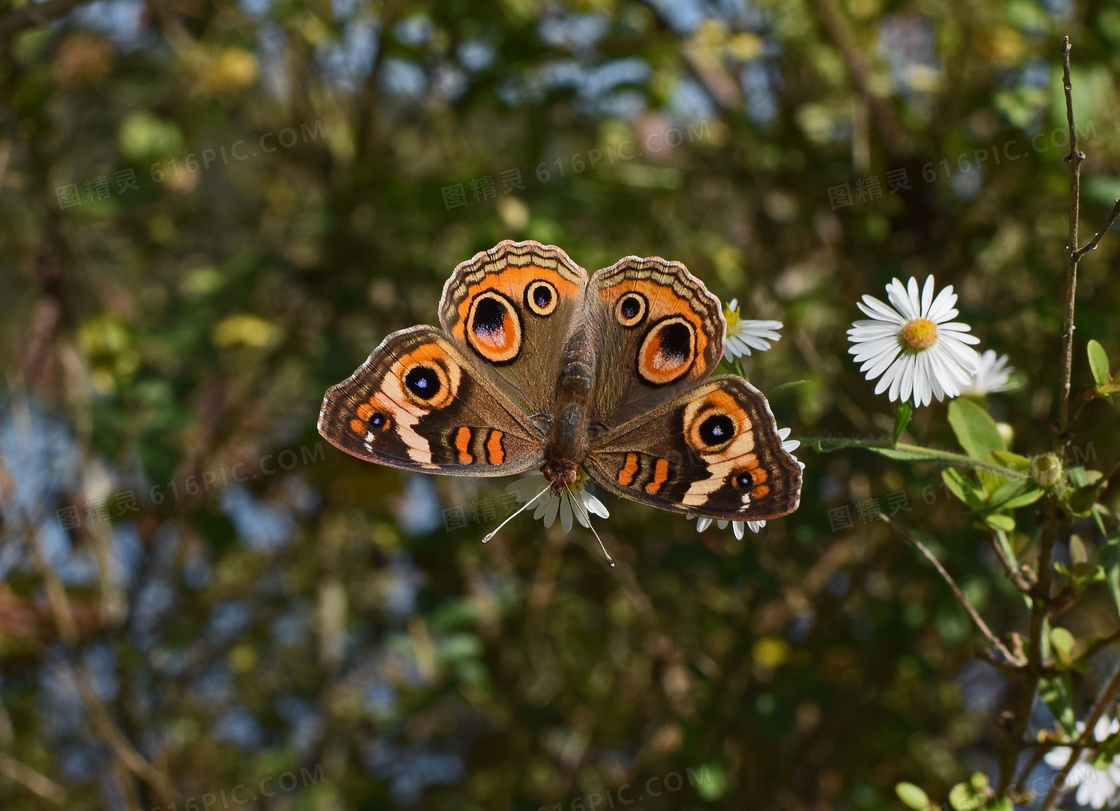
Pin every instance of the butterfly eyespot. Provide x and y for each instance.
(749, 478)
(423, 382)
(717, 429)
(494, 328)
(541, 298)
(370, 416)
(667, 352)
(428, 379)
(716, 426)
(631, 309)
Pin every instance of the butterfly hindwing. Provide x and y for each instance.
(713, 451)
(418, 404)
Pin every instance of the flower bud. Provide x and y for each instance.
(1046, 470)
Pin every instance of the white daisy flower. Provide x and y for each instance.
(549, 506)
(744, 335)
(992, 375)
(1097, 781)
(912, 346)
(740, 527)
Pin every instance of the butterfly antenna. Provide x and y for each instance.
(587, 518)
(522, 509)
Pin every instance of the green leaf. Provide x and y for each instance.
(1005, 492)
(962, 797)
(1077, 551)
(912, 796)
(1023, 499)
(902, 416)
(1110, 558)
(963, 487)
(1055, 694)
(975, 429)
(1081, 500)
(1013, 460)
(1098, 363)
(1063, 642)
(1000, 521)
(1085, 573)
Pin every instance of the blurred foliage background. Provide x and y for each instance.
(210, 212)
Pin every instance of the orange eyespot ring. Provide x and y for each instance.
(631, 309)
(715, 424)
(371, 415)
(667, 352)
(426, 384)
(426, 379)
(749, 476)
(712, 430)
(493, 327)
(541, 298)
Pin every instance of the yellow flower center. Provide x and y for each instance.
(918, 334)
(732, 318)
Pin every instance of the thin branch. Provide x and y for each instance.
(1028, 689)
(960, 595)
(35, 14)
(1010, 569)
(1058, 784)
(108, 729)
(37, 784)
(1091, 245)
(1074, 160)
(57, 598)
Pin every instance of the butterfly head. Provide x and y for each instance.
(562, 474)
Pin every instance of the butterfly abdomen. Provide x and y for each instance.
(566, 445)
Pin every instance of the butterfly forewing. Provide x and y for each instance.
(512, 309)
(659, 332)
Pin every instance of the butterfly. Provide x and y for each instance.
(538, 365)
